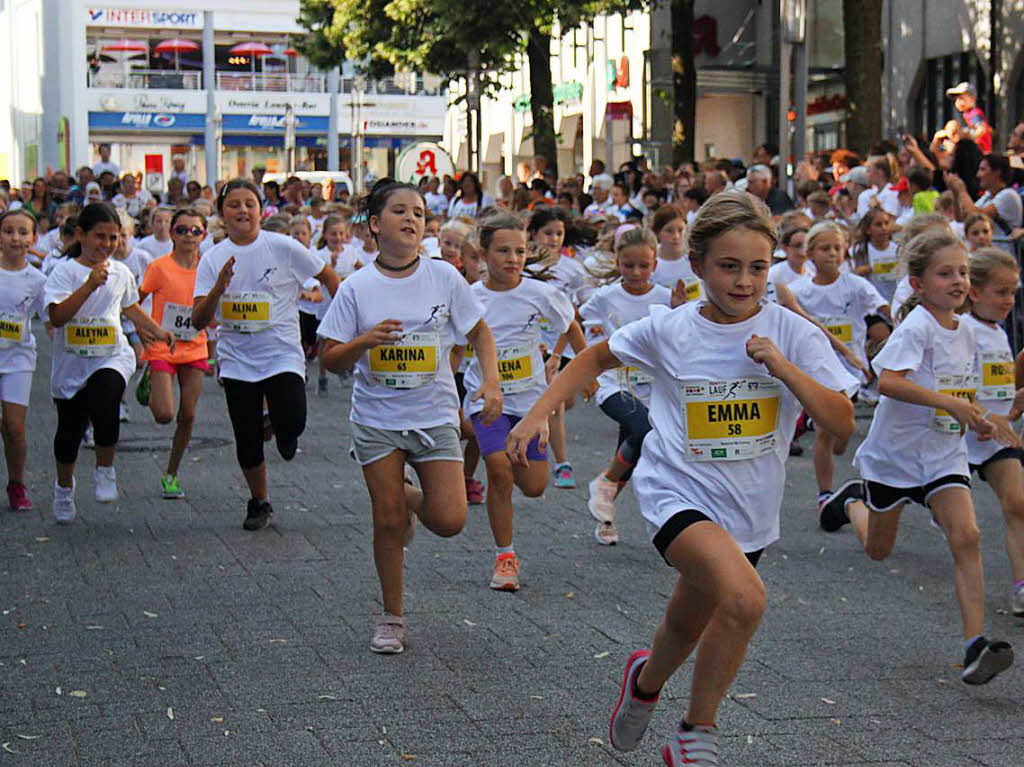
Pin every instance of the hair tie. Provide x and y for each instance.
(621, 231)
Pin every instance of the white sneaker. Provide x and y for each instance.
(1017, 603)
(64, 503)
(105, 479)
(606, 534)
(602, 498)
(89, 439)
(124, 413)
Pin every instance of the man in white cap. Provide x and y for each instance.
(976, 127)
(856, 182)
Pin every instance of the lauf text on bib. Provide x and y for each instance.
(730, 420)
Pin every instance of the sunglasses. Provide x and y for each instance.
(195, 231)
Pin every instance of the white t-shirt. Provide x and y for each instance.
(885, 272)
(93, 340)
(888, 200)
(316, 225)
(437, 203)
(437, 310)
(102, 167)
(902, 292)
(133, 204)
(905, 446)
(783, 274)
(514, 318)
(259, 335)
(676, 472)
(1008, 206)
(156, 248)
(667, 273)
(611, 308)
(48, 240)
(993, 367)
(570, 277)
(457, 207)
(841, 307)
(21, 297)
(344, 264)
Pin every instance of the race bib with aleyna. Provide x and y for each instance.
(515, 369)
(408, 363)
(730, 420)
(91, 337)
(247, 312)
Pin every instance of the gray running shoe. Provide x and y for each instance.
(632, 714)
(697, 746)
(389, 635)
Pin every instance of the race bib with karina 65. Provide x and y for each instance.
(12, 329)
(515, 369)
(730, 420)
(997, 375)
(247, 312)
(408, 363)
(91, 337)
(961, 386)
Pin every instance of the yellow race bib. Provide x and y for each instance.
(840, 327)
(248, 312)
(407, 364)
(960, 386)
(997, 375)
(693, 291)
(730, 420)
(515, 369)
(91, 337)
(12, 329)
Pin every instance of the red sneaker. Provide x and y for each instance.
(17, 497)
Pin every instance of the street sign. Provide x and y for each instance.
(424, 158)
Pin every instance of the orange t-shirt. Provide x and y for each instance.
(171, 287)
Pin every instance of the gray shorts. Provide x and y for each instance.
(436, 443)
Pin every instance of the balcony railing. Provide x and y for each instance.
(405, 84)
(260, 81)
(144, 79)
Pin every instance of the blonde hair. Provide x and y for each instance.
(727, 210)
(921, 223)
(606, 268)
(985, 261)
(916, 256)
(332, 220)
(822, 228)
(458, 226)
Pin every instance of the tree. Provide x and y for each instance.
(684, 77)
(862, 28)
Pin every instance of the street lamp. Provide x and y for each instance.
(793, 23)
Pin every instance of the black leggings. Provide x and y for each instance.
(308, 323)
(97, 401)
(631, 415)
(286, 403)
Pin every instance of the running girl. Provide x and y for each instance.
(250, 282)
(712, 474)
(796, 264)
(86, 294)
(547, 229)
(452, 235)
(977, 231)
(669, 225)
(21, 297)
(914, 451)
(396, 322)
(513, 307)
(623, 394)
(994, 280)
(171, 280)
(333, 251)
(839, 301)
(875, 253)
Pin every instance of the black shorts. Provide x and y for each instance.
(874, 319)
(1006, 452)
(682, 520)
(886, 497)
(561, 365)
(308, 323)
(460, 386)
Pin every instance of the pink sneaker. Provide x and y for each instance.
(475, 491)
(17, 497)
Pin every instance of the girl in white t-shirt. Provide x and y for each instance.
(333, 250)
(730, 375)
(673, 267)
(875, 255)
(513, 309)
(546, 228)
(994, 281)
(915, 451)
(86, 294)
(838, 301)
(796, 264)
(21, 297)
(396, 322)
(623, 394)
(977, 231)
(250, 282)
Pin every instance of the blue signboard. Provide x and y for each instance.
(273, 124)
(154, 121)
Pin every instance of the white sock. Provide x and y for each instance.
(505, 550)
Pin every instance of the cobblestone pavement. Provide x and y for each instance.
(160, 633)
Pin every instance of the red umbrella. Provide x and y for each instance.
(177, 46)
(251, 49)
(126, 46)
(290, 52)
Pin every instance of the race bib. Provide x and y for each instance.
(962, 386)
(997, 375)
(515, 369)
(633, 376)
(693, 290)
(91, 337)
(730, 420)
(840, 327)
(408, 363)
(177, 321)
(12, 329)
(885, 268)
(247, 312)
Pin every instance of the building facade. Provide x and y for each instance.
(158, 81)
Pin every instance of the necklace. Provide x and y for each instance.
(389, 268)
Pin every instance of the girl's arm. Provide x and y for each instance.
(455, 357)
(788, 301)
(149, 331)
(590, 363)
(205, 307)
(832, 410)
(573, 335)
(329, 279)
(339, 357)
(487, 358)
(62, 313)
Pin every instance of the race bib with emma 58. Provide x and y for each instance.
(730, 420)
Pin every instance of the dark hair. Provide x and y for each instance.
(476, 185)
(68, 227)
(92, 215)
(19, 212)
(544, 215)
(1000, 164)
(920, 177)
(769, 148)
(232, 185)
(373, 203)
(966, 159)
(665, 215)
(190, 212)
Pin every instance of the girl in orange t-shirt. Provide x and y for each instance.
(170, 280)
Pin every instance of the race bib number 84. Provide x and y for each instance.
(730, 420)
